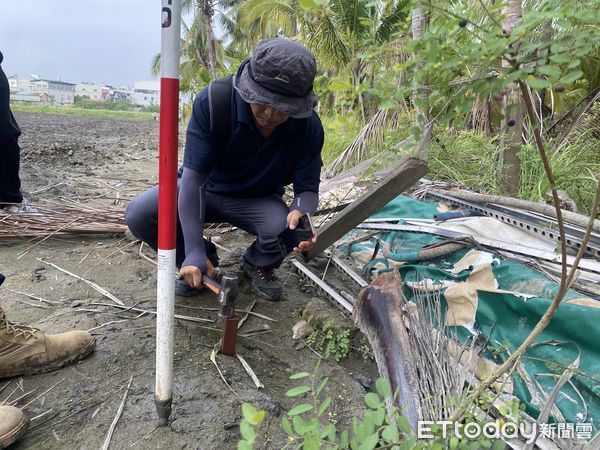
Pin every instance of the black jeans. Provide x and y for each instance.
(265, 217)
(10, 184)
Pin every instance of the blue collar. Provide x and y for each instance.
(242, 109)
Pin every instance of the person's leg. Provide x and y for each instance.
(264, 217)
(141, 216)
(10, 183)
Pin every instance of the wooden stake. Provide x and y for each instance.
(406, 174)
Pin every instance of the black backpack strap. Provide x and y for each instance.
(220, 99)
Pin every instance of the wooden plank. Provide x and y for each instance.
(406, 174)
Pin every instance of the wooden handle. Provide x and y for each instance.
(211, 284)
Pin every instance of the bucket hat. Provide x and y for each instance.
(279, 74)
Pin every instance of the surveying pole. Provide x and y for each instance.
(167, 206)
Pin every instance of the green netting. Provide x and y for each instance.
(505, 320)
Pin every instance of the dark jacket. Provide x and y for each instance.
(8, 124)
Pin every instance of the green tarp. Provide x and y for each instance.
(505, 320)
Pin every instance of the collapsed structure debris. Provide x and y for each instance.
(493, 231)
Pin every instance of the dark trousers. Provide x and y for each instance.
(264, 217)
(10, 184)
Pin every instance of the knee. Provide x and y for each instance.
(274, 226)
(137, 218)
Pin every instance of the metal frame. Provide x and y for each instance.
(528, 221)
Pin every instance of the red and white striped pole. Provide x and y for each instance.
(167, 206)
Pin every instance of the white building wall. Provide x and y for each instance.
(145, 98)
(146, 93)
(90, 90)
(39, 86)
(151, 85)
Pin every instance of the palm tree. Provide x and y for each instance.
(339, 32)
(511, 128)
(202, 54)
(270, 18)
(418, 26)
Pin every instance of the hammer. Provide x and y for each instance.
(227, 292)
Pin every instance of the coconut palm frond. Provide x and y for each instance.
(368, 140)
(228, 4)
(272, 14)
(590, 66)
(350, 16)
(562, 101)
(576, 129)
(327, 40)
(227, 23)
(155, 65)
(187, 5)
(392, 21)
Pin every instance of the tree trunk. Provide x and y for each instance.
(480, 119)
(378, 313)
(511, 128)
(420, 96)
(545, 37)
(207, 10)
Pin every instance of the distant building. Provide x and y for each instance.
(38, 98)
(92, 91)
(120, 93)
(17, 84)
(61, 92)
(145, 93)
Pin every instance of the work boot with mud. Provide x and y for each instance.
(264, 282)
(26, 351)
(13, 424)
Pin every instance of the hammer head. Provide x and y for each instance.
(228, 295)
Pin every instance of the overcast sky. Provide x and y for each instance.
(110, 41)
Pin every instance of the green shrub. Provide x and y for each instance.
(117, 105)
(75, 111)
(340, 131)
(327, 341)
(467, 158)
(576, 165)
(309, 427)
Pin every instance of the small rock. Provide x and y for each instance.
(70, 153)
(319, 312)
(300, 330)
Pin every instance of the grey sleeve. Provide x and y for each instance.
(305, 202)
(191, 204)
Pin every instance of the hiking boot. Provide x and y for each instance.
(264, 282)
(13, 424)
(26, 351)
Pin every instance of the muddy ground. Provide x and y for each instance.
(101, 162)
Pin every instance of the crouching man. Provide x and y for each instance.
(271, 138)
